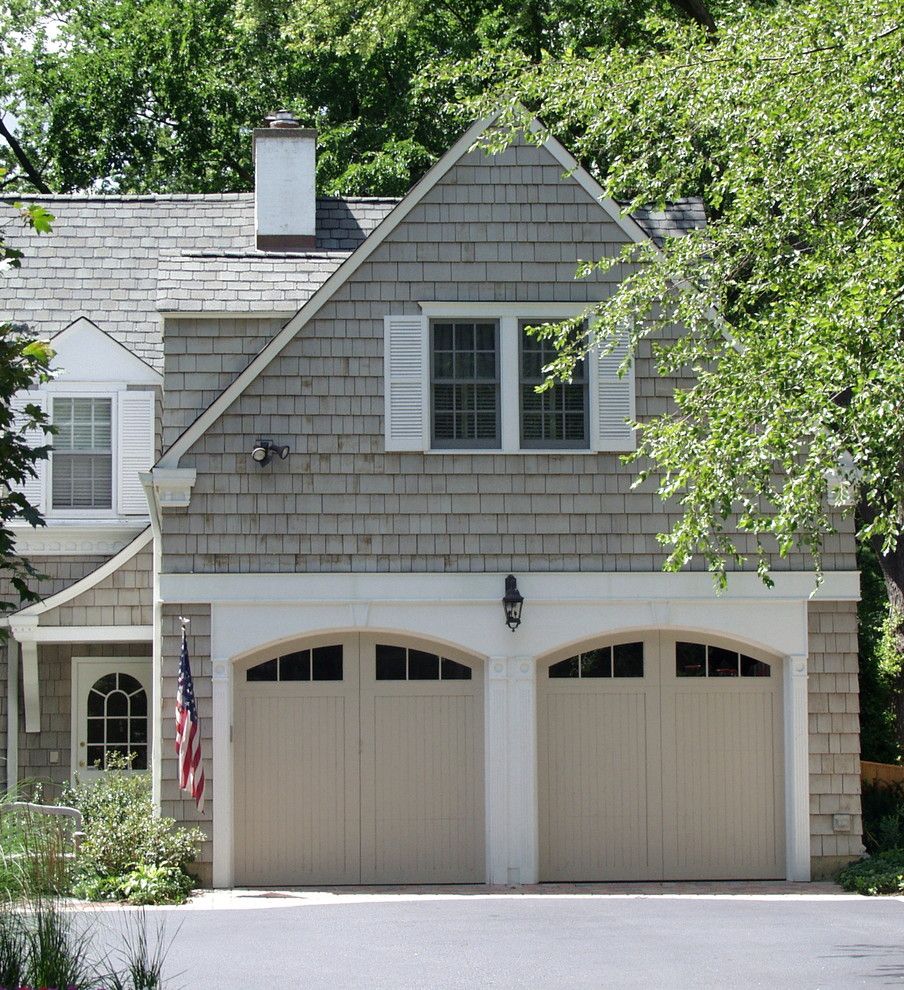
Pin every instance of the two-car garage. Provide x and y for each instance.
(361, 759)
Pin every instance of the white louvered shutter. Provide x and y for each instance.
(135, 436)
(34, 489)
(614, 400)
(406, 373)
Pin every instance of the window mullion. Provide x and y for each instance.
(510, 370)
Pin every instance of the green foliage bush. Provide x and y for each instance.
(880, 874)
(129, 852)
(883, 816)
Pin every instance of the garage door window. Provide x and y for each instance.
(622, 660)
(398, 663)
(323, 663)
(702, 660)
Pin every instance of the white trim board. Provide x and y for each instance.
(90, 580)
(92, 634)
(310, 309)
(573, 587)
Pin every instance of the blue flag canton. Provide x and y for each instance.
(186, 685)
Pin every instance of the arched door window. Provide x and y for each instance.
(117, 721)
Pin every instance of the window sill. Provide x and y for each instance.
(521, 451)
(76, 537)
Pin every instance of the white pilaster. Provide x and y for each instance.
(797, 768)
(222, 774)
(511, 771)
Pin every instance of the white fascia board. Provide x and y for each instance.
(73, 538)
(527, 310)
(309, 310)
(94, 634)
(90, 580)
(545, 587)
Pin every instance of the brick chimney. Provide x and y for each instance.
(284, 192)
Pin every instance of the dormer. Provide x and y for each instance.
(102, 403)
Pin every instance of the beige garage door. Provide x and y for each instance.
(660, 758)
(359, 760)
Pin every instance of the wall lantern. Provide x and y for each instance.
(264, 450)
(512, 602)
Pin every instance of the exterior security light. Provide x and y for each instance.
(264, 450)
(512, 603)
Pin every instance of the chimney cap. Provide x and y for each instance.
(281, 119)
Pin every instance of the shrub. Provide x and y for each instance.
(128, 851)
(883, 816)
(879, 874)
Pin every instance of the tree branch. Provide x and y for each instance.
(697, 11)
(33, 174)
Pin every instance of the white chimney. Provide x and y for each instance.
(285, 200)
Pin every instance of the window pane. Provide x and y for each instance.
(722, 663)
(754, 668)
(95, 756)
(265, 671)
(565, 668)
(82, 481)
(453, 671)
(422, 666)
(442, 336)
(95, 730)
(117, 703)
(597, 663)
(138, 731)
(295, 666)
(690, 659)
(558, 416)
(327, 663)
(117, 730)
(96, 702)
(140, 758)
(390, 663)
(139, 702)
(628, 660)
(128, 683)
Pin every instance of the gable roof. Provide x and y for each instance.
(631, 228)
(106, 254)
(84, 352)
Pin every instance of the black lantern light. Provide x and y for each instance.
(512, 602)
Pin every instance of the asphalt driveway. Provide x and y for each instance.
(254, 940)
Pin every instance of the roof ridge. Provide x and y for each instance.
(179, 197)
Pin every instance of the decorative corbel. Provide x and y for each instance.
(24, 630)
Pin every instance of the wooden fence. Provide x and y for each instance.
(884, 773)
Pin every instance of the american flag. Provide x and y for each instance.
(188, 731)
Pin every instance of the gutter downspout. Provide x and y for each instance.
(147, 482)
(12, 715)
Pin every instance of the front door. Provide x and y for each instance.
(111, 708)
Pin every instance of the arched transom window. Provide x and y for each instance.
(117, 721)
(621, 660)
(704, 660)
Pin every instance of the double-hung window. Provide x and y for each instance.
(556, 417)
(465, 383)
(82, 457)
(464, 377)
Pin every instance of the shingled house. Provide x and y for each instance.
(369, 715)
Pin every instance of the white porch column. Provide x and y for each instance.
(797, 768)
(223, 869)
(511, 770)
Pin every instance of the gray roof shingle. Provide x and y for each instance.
(120, 259)
(106, 255)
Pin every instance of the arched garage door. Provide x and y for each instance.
(660, 757)
(359, 760)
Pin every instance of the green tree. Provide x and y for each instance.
(24, 361)
(788, 124)
(160, 95)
